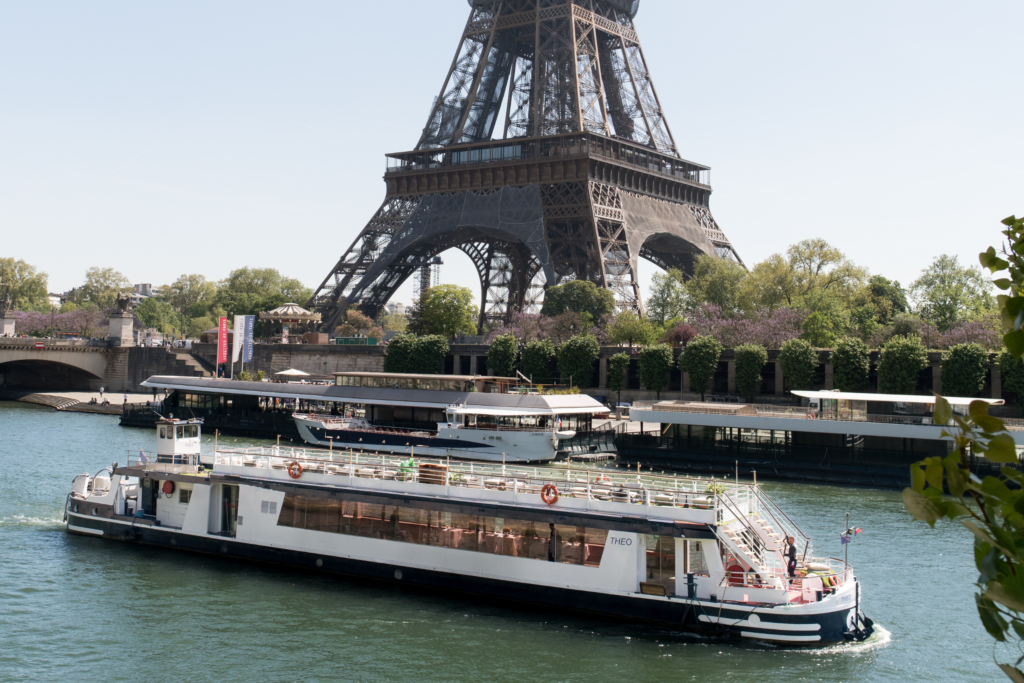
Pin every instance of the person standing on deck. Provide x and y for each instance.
(554, 544)
(791, 555)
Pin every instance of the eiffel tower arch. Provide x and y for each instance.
(581, 181)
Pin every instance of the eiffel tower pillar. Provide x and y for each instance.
(581, 180)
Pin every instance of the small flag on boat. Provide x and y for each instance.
(848, 535)
(142, 456)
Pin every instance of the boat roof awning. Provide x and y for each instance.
(470, 401)
(519, 412)
(894, 398)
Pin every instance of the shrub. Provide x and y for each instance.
(409, 353)
(502, 355)
(539, 360)
(700, 360)
(750, 360)
(576, 360)
(799, 363)
(900, 362)
(1011, 369)
(398, 357)
(617, 366)
(655, 362)
(851, 365)
(963, 370)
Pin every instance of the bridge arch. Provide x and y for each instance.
(52, 368)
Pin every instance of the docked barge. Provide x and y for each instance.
(698, 555)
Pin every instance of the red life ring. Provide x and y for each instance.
(549, 494)
(295, 470)
(603, 479)
(812, 416)
(168, 488)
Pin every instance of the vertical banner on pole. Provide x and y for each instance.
(222, 342)
(236, 342)
(250, 324)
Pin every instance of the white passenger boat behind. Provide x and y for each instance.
(700, 555)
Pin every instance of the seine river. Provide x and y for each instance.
(91, 610)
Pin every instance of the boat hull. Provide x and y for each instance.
(776, 625)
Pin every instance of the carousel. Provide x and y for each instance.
(291, 317)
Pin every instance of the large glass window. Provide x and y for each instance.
(475, 533)
(661, 561)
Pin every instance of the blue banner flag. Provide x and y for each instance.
(250, 322)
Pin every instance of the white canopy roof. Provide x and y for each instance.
(292, 372)
(514, 412)
(895, 398)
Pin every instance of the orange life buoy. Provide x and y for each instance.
(295, 470)
(603, 479)
(736, 574)
(812, 416)
(168, 488)
(549, 494)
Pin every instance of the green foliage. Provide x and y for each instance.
(716, 281)
(654, 364)
(260, 376)
(750, 360)
(799, 363)
(576, 360)
(1011, 302)
(502, 355)
(963, 370)
(990, 508)
(356, 323)
(539, 360)
(156, 314)
(700, 361)
(629, 328)
(1011, 370)
(617, 367)
(578, 296)
(186, 294)
(949, 293)
(26, 286)
(667, 299)
(421, 355)
(851, 365)
(393, 322)
(244, 376)
(398, 357)
(448, 310)
(102, 285)
(888, 296)
(900, 362)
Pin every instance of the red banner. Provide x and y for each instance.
(222, 341)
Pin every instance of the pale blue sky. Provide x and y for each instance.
(169, 137)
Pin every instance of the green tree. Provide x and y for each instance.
(393, 322)
(617, 367)
(900, 362)
(576, 359)
(399, 354)
(356, 323)
(799, 363)
(186, 293)
(26, 286)
(948, 293)
(539, 360)
(579, 296)
(156, 314)
(820, 267)
(851, 365)
(429, 353)
(889, 297)
(699, 360)
(750, 361)
(502, 355)
(102, 285)
(964, 367)
(654, 364)
(716, 281)
(770, 285)
(631, 328)
(1011, 371)
(667, 299)
(449, 310)
(251, 291)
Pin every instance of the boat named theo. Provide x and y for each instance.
(700, 555)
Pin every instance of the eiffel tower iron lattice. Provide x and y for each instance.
(584, 180)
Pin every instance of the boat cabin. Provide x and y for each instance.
(178, 442)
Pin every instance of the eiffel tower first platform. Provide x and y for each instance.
(580, 180)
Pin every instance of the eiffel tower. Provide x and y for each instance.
(581, 179)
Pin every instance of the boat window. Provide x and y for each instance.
(661, 561)
(474, 533)
(163, 432)
(181, 432)
(184, 496)
(698, 565)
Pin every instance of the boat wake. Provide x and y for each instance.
(23, 522)
(878, 639)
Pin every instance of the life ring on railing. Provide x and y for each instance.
(168, 488)
(603, 479)
(549, 494)
(295, 470)
(812, 416)
(736, 575)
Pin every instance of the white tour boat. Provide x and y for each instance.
(699, 555)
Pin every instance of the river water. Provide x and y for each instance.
(93, 610)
